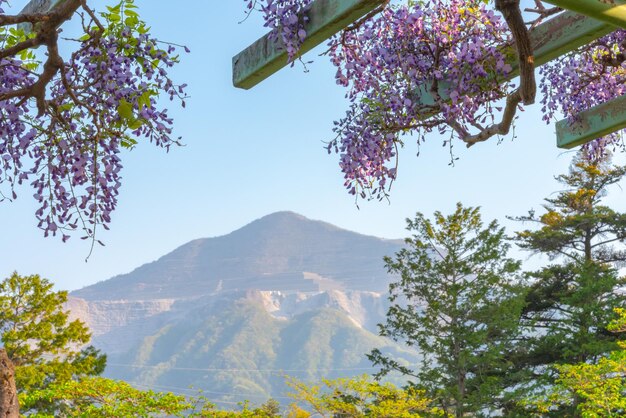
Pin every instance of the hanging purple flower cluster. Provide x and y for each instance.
(103, 99)
(441, 66)
(433, 66)
(15, 133)
(13, 76)
(591, 76)
(281, 16)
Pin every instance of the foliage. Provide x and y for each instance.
(576, 225)
(270, 409)
(90, 106)
(567, 301)
(39, 338)
(457, 301)
(594, 389)
(107, 398)
(283, 20)
(444, 66)
(360, 397)
(100, 397)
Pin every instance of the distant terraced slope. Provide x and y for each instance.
(233, 314)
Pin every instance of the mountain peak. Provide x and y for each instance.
(280, 251)
(285, 222)
(284, 215)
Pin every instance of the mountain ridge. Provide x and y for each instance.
(267, 253)
(281, 293)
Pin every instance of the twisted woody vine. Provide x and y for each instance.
(388, 56)
(64, 121)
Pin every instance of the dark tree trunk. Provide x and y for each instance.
(512, 14)
(9, 406)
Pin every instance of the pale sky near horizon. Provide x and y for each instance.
(251, 153)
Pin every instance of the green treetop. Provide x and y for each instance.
(593, 389)
(577, 291)
(457, 300)
(576, 225)
(360, 397)
(42, 343)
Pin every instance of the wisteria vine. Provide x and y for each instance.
(441, 66)
(285, 20)
(590, 76)
(399, 69)
(416, 68)
(66, 142)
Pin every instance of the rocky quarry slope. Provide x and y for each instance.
(233, 315)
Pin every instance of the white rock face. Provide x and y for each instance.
(116, 324)
(365, 309)
(205, 305)
(104, 315)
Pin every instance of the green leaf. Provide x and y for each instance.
(136, 124)
(131, 21)
(125, 110)
(144, 99)
(66, 106)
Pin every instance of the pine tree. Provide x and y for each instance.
(568, 302)
(598, 388)
(458, 302)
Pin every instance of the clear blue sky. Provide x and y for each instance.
(250, 153)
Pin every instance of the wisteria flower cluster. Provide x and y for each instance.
(286, 21)
(441, 66)
(103, 99)
(14, 75)
(415, 69)
(585, 78)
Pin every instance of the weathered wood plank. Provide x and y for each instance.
(326, 17)
(564, 33)
(591, 124)
(36, 7)
(610, 11)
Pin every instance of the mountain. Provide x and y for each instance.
(272, 253)
(232, 314)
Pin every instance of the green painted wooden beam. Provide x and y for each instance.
(610, 11)
(36, 7)
(326, 17)
(562, 34)
(591, 124)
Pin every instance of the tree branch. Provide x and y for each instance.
(19, 47)
(512, 14)
(46, 34)
(502, 128)
(527, 89)
(23, 18)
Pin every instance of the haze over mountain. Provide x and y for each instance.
(228, 314)
(271, 253)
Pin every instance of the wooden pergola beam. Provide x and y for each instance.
(36, 7)
(609, 11)
(326, 17)
(558, 36)
(592, 123)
